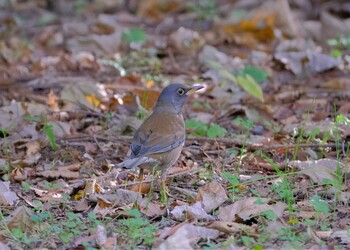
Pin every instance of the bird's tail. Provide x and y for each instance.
(134, 162)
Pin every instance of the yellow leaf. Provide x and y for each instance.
(93, 100)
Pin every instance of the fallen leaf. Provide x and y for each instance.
(248, 208)
(20, 218)
(122, 197)
(318, 170)
(186, 236)
(81, 93)
(151, 209)
(69, 172)
(313, 62)
(342, 235)
(7, 197)
(186, 41)
(99, 44)
(14, 113)
(212, 196)
(194, 211)
(232, 227)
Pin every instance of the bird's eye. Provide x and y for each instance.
(181, 91)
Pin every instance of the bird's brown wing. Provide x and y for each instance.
(159, 133)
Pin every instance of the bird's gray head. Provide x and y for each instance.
(173, 97)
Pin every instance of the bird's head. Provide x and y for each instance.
(173, 97)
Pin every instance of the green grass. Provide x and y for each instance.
(198, 128)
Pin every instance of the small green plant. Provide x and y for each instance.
(136, 229)
(269, 214)
(248, 79)
(258, 74)
(204, 9)
(207, 171)
(343, 42)
(22, 237)
(233, 180)
(290, 234)
(48, 130)
(198, 104)
(198, 128)
(134, 35)
(246, 124)
(50, 186)
(26, 186)
(284, 188)
(6, 152)
(319, 205)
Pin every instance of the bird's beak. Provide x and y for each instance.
(194, 89)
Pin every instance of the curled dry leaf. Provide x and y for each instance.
(4, 247)
(319, 170)
(87, 94)
(186, 41)
(99, 236)
(122, 197)
(211, 196)
(194, 211)
(186, 236)
(14, 113)
(342, 236)
(151, 209)
(7, 197)
(68, 172)
(232, 227)
(20, 218)
(313, 62)
(248, 208)
(99, 44)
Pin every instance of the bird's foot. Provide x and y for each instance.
(164, 193)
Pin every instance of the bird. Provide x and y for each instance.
(157, 143)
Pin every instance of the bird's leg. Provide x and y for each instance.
(164, 191)
(140, 180)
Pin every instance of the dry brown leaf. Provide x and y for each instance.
(7, 197)
(52, 99)
(248, 208)
(186, 236)
(318, 170)
(194, 211)
(232, 227)
(186, 41)
(14, 113)
(299, 61)
(81, 93)
(122, 197)
(157, 9)
(147, 97)
(212, 196)
(250, 32)
(4, 247)
(342, 235)
(151, 209)
(33, 147)
(82, 205)
(324, 234)
(20, 218)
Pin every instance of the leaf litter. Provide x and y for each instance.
(266, 157)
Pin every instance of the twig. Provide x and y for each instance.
(231, 141)
(305, 145)
(149, 179)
